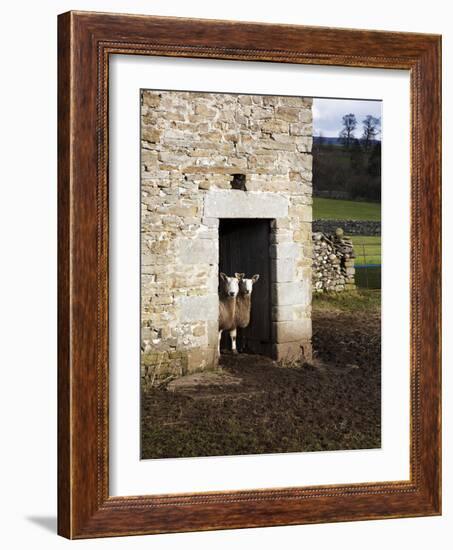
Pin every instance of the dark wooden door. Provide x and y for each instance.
(244, 248)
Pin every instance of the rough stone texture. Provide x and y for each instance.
(198, 308)
(209, 156)
(333, 262)
(351, 227)
(290, 331)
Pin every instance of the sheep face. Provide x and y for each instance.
(229, 285)
(246, 285)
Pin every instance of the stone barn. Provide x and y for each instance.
(226, 186)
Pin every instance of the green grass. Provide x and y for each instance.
(335, 209)
(357, 300)
(367, 249)
(368, 277)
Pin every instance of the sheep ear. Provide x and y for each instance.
(255, 278)
(239, 275)
(223, 276)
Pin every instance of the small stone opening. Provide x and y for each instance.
(244, 248)
(238, 182)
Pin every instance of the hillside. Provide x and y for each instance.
(351, 173)
(336, 209)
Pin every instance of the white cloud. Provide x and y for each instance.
(328, 113)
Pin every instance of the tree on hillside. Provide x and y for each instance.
(371, 129)
(374, 161)
(356, 155)
(347, 132)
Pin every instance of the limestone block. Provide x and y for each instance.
(283, 271)
(292, 101)
(283, 313)
(291, 293)
(271, 144)
(303, 235)
(260, 113)
(178, 159)
(281, 236)
(149, 159)
(240, 204)
(198, 308)
(287, 352)
(282, 223)
(290, 114)
(210, 222)
(298, 129)
(302, 211)
(183, 211)
(288, 250)
(151, 99)
(274, 125)
(245, 100)
(305, 116)
(292, 351)
(208, 233)
(283, 137)
(304, 144)
(204, 111)
(291, 331)
(289, 313)
(204, 185)
(198, 251)
(213, 333)
(201, 359)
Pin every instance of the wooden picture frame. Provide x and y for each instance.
(85, 41)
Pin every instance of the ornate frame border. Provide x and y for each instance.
(85, 42)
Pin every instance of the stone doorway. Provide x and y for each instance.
(244, 248)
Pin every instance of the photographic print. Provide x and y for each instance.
(260, 274)
(219, 253)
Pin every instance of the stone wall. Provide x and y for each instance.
(350, 227)
(333, 262)
(207, 156)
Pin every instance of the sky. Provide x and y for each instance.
(328, 114)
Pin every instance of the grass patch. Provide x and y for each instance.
(368, 277)
(356, 300)
(367, 250)
(335, 209)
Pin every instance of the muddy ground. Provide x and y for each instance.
(256, 406)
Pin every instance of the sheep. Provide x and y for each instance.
(228, 291)
(243, 303)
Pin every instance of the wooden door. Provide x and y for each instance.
(244, 248)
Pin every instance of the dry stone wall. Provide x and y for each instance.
(333, 262)
(351, 227)
(207, 156)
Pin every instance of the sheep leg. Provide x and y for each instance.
(233, 334)
(218, 347)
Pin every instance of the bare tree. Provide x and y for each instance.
(349, 125)
(371, 129)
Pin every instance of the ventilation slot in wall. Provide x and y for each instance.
(238, 182)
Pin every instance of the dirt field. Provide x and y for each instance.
(256, 406)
